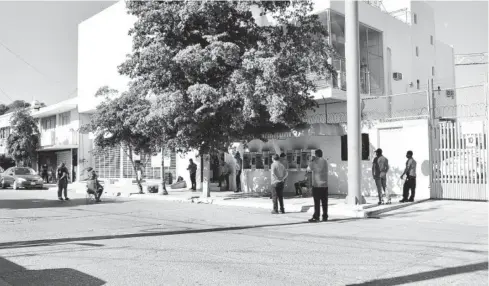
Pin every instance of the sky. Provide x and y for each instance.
(42, 39)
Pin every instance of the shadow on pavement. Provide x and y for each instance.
(42, 203)
(423, 276)
(16, 275)
(48, 242)
(404, 213)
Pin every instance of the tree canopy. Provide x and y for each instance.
(14, 105)
(23, 140)
(115, 124)
(218, 75)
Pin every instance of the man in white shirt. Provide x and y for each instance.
(410, 182)
(319, 167)
(279, 174)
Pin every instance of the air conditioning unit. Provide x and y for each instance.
(397, 76)
(450, 93)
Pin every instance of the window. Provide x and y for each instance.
(48, 123)
(431, 40)
(415, 18)
(4, 132)
(417, 84)
(365, 147)
(433, 71)
(417, 51)
(64, 118)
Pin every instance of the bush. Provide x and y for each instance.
(6, 162)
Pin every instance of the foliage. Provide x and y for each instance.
(16, 104)
(115, 125)
(6, 162)
(23, 140)
(218, 75)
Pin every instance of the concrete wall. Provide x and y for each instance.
(395, 138)
(103, 43)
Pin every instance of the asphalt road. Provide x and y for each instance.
(129, 242)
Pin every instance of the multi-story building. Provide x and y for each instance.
(399, 56)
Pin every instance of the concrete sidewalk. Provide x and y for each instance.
(336, 203)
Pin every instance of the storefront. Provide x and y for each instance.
(53, 158)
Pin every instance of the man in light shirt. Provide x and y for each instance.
(380, 166)
(319, 167)
(410, 182)
(279, 174)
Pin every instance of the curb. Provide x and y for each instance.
(388, 208)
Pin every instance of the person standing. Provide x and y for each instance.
(279, 174)
(192, 168)
(62, 174)
(319, 167)
(380, 166)
(410, 183)
(238, 164)
(44, 173)
(224, 171)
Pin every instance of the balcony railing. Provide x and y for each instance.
(52, 137)
(368, 86)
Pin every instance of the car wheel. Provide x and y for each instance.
(15, 186)
(2, 184)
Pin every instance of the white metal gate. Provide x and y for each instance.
(460, 162)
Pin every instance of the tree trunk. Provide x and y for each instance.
(138, 178)
(163, 183)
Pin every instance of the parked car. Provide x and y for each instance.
(21, 177)
(464, 167)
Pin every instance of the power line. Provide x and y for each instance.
(27, 63)
(6, 94)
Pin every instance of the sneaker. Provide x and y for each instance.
(411, 200)
(67, 199)
(60, 198)
(313, 220)
(403, 201)
(325, 218)
(274, 212)
(282, 211)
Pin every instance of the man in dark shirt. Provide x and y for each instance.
(62, 174)
(192, 168)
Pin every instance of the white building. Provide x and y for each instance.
(400, 54)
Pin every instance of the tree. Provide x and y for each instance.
(115, 122)
(16, 104)
(23, 140)
(3, 109)
(6, 162)
(221, 76)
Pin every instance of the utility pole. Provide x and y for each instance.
(352, 53)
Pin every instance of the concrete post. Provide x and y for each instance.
(206, 174)
(352, 53)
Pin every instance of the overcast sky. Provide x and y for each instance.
(44, 34)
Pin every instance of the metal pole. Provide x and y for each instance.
(352, 53)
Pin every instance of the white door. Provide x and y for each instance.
(394, 150)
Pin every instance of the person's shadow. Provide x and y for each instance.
(16, 275)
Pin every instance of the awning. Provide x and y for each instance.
(57, 148)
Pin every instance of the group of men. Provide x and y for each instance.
(318, 166)
(380, 167)
(224, 173)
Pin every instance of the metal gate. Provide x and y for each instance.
(460, 162)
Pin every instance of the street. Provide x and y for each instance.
(131, 242)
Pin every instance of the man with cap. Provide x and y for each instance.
(279, 175)
(380, 166)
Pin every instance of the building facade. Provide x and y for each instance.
(400, 55)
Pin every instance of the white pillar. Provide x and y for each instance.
(206, 174)
(352, 53)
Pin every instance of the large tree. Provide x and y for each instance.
(115, 123)
(23, 140)
(221, 76)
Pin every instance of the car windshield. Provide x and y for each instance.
(24, 171)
